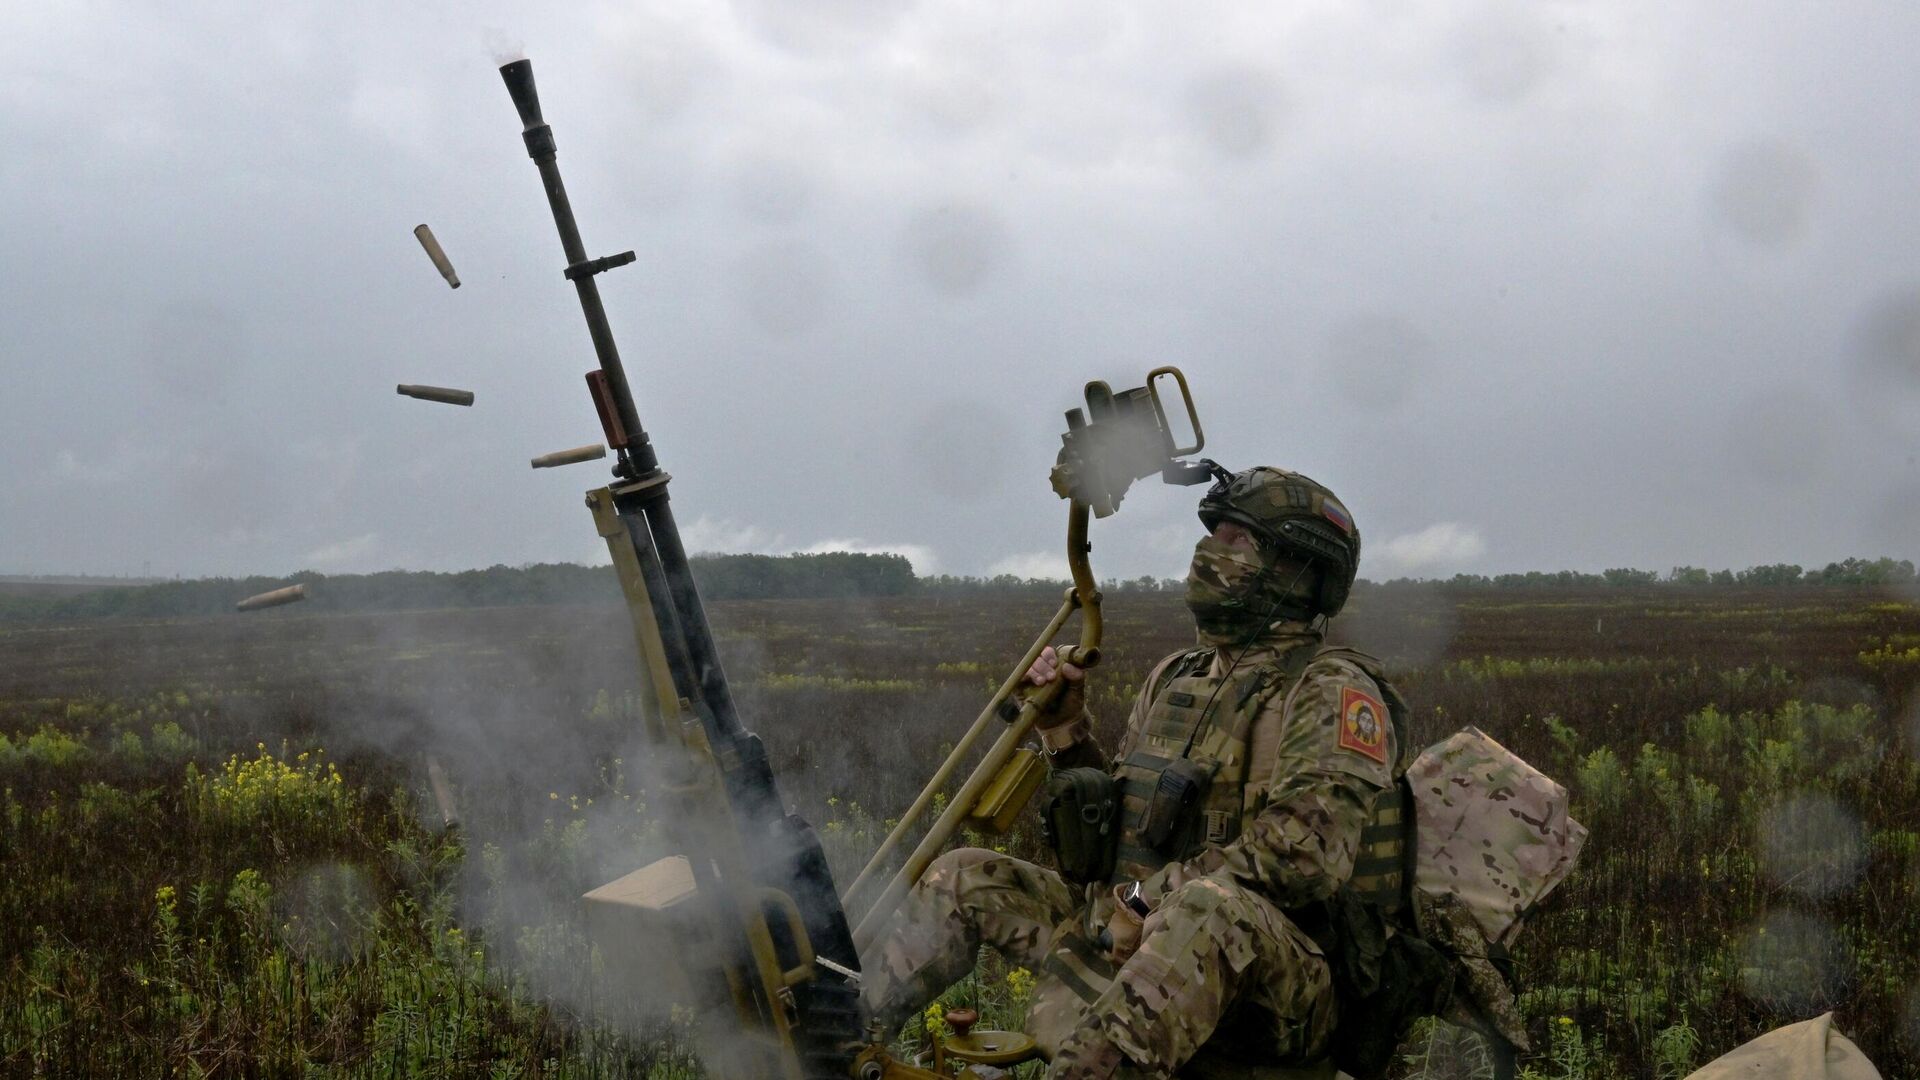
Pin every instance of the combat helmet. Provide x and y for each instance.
(1295, 517)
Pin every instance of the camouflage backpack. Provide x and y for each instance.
(1488, 838)
(1492, 838)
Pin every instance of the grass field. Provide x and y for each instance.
(220, 856)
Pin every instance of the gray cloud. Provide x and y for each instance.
(963, 450)
(1765, 191)
(1783, 435)
(783, 288)
(1627, 258)
(1505, 51)
(826, 26)
(1235, 111)
(1378, 361)
(955, 248)
(773, 190)
(1888, 343)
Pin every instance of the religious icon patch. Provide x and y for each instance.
(1363, 724)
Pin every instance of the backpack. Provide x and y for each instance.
(1486, 838)
(1492, 838)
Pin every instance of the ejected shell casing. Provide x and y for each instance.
(442, 793)
(437, 393)
(275, 598)
(570, 457)
(439, 257)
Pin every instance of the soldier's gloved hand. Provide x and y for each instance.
(1122, 935)
(1073, 696)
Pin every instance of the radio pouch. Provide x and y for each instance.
(1175, 806)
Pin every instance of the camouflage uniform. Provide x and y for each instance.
(1219, 958)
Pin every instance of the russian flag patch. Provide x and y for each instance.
(1337, 514)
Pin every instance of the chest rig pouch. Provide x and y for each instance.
(1080, 819)
(1177, 802)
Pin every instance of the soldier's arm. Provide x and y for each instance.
(1301, 845)
(1073, 744)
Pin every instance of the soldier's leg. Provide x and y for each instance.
(1207, 947)
(967, 898)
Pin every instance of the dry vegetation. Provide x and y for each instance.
(219, 856)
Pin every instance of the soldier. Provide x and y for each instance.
(1258, 866)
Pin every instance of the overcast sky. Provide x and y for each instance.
(1532, 285)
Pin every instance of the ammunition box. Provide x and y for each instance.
(641, 923)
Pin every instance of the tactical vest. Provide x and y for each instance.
(1207, 722)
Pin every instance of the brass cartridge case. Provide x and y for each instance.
(439, 257)
(443, 394)
(591, 452)
(273, 598)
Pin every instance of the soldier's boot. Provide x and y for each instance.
(967, 898)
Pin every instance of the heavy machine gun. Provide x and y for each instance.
(749, 899)
(743, 922)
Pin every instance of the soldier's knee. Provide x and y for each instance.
(1201, 900)
(954, 870)
(960, 859)
(1221, 920)
(967, 873)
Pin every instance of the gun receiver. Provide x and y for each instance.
(751, 889)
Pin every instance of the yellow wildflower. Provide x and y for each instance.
(1020, 982)
(936, 1018)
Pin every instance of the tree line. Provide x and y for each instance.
(720, 577)
(821, 576)
(1852, 571)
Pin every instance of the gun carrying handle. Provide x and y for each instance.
(1186, 397)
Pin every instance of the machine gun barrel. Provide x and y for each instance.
(538, 135)
(670, 579)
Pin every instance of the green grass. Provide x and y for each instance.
(220, 854)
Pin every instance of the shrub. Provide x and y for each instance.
(167, 742)
(48, 748)
(1600, 782)
(1710, 733)
(306, 791)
